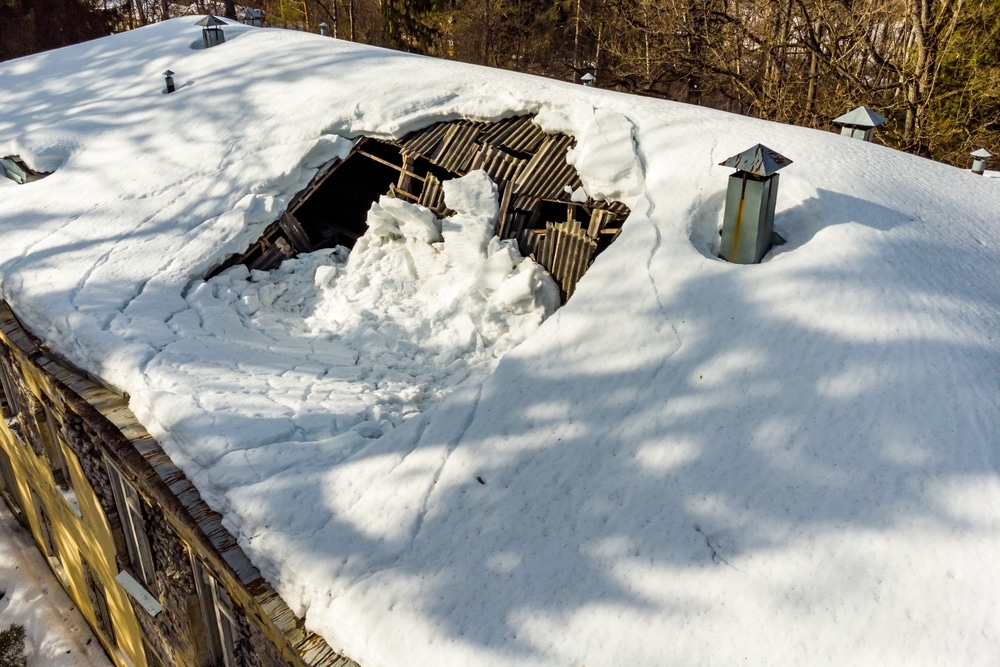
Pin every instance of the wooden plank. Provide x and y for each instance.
(406, 173)
(599, 219)
(294, 232)
(390, 164)
(273, 256)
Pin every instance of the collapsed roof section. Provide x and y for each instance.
(535, 183)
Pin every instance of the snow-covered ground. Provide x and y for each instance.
(56, 635)
(691, 462)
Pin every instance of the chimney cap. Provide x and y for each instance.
(982, 152)
(758, 160)
(860, 117)
(210, 21)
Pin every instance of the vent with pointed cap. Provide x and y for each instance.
(758, 160)
(861, 117)
(979, 158)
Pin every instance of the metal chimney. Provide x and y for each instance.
(979, 158)
(251, 16)
(859, 124)
(748, 223)
(211, 31)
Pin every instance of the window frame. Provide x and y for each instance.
(10, 400)
(98, 595)
(49, 546)
(9, 487)
(53, 449)
(218, 614)
(128, 502)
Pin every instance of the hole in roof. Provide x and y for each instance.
(542, 207)
(14, 168)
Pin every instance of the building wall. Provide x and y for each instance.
(101, 498)
(72, 530)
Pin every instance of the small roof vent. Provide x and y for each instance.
(250, 16)
(979, 159)
(859, 124)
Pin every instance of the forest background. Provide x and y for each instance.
(931, 66)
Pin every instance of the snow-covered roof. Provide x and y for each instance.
(690, 462)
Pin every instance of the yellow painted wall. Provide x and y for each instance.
(88, 534)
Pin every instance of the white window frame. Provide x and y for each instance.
(129, 506)
(219, 616)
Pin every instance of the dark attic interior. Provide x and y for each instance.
(529, 167)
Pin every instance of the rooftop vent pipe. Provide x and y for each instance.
(324, 29)
(251, 16)
(748, 223)
(211, 31)
(979, 158)
(859, 124)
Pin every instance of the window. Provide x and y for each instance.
(10, 404)
(220, 617)
(8, 486)
(48, 542)
(99, 603)
(54, 454)
(152, 657)
(129, 506)
(53, 450)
